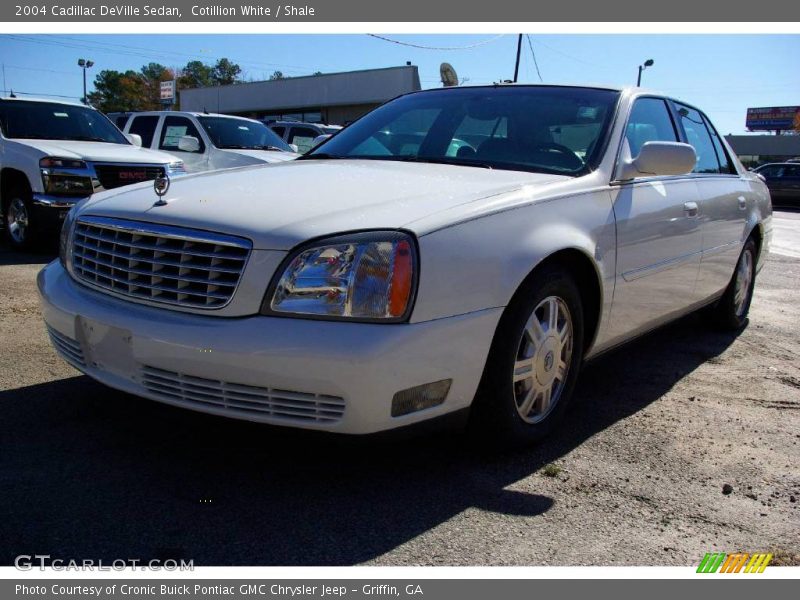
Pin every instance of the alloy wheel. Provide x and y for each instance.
(543, 359)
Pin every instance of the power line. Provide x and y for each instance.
(40, 94)
(422, 47)
(121, 50)
(533, 54)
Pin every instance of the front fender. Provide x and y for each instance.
(479, 264)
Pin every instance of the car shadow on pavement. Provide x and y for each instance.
(9, 256)
(87, 472)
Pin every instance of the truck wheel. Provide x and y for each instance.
(20, 224)
(730, 312)
(533, 362)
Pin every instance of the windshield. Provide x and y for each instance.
(53, 121)
(226, 132)
(543, 129)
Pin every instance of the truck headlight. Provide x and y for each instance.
(368, 276)
(176, 168)
(65, 177)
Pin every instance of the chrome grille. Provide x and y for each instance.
(115, 175)
(243, 399)
(69, 349)
(158, 263)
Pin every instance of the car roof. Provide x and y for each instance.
(48, 100)
(185, 112)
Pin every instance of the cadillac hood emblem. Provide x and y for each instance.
(161, 187)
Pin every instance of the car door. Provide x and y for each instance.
(658, 231)
(790, 182)
(143, 126)
(724, 199)
(172, 129)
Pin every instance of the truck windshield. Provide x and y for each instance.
(527, 128)
(53, 121)
(228, 133)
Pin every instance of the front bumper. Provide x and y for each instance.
(51, 210)
(209, 363)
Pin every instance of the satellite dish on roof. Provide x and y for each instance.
(448, 73)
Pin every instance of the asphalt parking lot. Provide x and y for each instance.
(635, 476)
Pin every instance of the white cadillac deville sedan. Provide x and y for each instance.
(461, 248)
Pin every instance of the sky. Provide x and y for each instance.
(721, 74)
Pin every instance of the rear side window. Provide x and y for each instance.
(791, 171)
(650, 121)
(303, 138)
(146, 127)
(698, 136)
(174, 129)
(726, 165)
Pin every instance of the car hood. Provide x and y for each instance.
(279, 206)
(267, 156)
(99, 151)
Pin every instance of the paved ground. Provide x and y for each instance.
(635, 476)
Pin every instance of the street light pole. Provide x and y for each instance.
(648, 63)
(85, 64)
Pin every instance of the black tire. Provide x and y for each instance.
(728, 313)
(19, 199)
(495, 417)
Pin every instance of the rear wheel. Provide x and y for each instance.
(731, 310)
(20, 223)
(533, 363)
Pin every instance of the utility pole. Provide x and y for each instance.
(516, 65)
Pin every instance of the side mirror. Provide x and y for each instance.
(188, 143)
(134, 138)
(659, 158)
(294, 148)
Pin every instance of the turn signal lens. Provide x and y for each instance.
(366, 276)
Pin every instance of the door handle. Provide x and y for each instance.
(690, 208)
(742, 203)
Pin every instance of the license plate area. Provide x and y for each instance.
(107, 347)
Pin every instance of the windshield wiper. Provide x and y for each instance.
(439, 160)
(321, 156)
(253, 147)
(86, 138)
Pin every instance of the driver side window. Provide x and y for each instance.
(650, 121)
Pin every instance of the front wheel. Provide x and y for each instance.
(533, 362)
(20, 225)
(731, 310)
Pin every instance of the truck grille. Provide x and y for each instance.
(237, 398)
(158, 263)
(113, 176)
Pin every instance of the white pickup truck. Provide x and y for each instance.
(207, 141)
(54, 154)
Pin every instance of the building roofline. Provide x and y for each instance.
(293, 78)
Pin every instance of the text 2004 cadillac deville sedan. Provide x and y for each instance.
(455, 248)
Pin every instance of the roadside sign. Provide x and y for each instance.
(168, 91)
(771, 118)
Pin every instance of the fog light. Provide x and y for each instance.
(420, 397)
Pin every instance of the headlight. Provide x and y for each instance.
(367, 276)
(65, 177)
(65, 238)
(176, 168)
